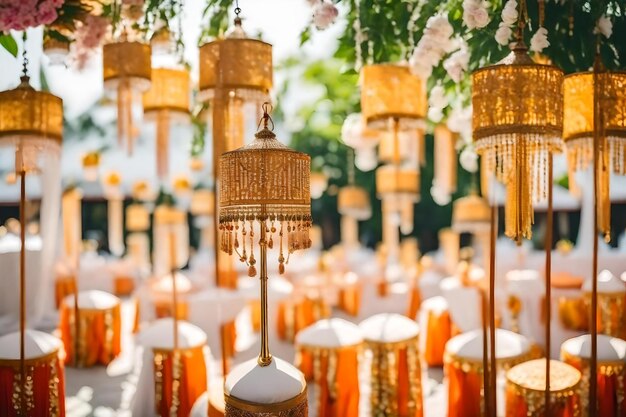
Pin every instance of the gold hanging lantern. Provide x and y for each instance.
(166, 102)
(517, 123)
(579, 96)
(354, 201)
(471, 214)
(137, 218)
(241, 69)
(126, 74)
(91, 163)
(264, 189)
(268, 183)
(390, 92)
(202, 203)
(394, 181)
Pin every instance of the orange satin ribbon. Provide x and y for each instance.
(339, 398)
(438, 332)
(191, 384)
(350, 300)
(164, 309)
(464, 392)
(415, 301)
(229, 338)
(611, 379)
(100, 335)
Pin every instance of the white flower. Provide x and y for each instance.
(509, 12)
(503, 34)
(437, 98)
(439, 195)
(469, 159)
(604, 26)
(324, 14)
(460, 121)
(457, 63)
(313, 3)
(435, 114)
(475, 14)
(434, 44)
(539, 41)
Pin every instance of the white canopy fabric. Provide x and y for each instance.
(609, 348)
(37, 344)
(389, 328)
(330, 333)
(470, 345)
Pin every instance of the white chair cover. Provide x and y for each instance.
(37, 344)
(330, 333)
(464, 304)
(609, 348)
(528, 286)
(388, 328)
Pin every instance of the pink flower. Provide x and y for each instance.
(23, 14)
(324, 15)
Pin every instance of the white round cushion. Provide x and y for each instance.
(470, 344)
(164, 284)
(607, 283)
(93, 299)
(37, 344)
(609, 348)
(160, 334)
(436, 304)
(330, 333)
(389, 328)
(518, 280)
(277, 382)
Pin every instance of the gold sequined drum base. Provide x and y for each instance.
(295, 407)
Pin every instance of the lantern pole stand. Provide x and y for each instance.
(76, 308)
(492, 309)
(23, 291)
(265, 357)
(597, 137)
(174, 289)
(548, 280)
(485, 329)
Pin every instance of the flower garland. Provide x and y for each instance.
(509, 18)
(23, 14)
(433, 46)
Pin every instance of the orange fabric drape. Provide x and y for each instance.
(46, 402)
(62, 288)
(438, 332)
(123, 286)
(350, 300)
(464, 392)
(517, 406)
(193, 381)
(608, 401)
(342, 400)
(415, 301)
(404, 395)
(100, 333)
(304, 362)
(229, 338)
(255, 314)
(295, 316)
(164, 309)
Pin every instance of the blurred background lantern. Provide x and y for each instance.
(319, 184)
(126, 73)
(91, 165)
(113, 193)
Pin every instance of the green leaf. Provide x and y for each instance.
(9, 44)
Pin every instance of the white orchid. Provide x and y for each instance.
(457, 63)
(475, 14)
(539, 41)
(469, 159)
(440, 196)
(509, 13)
(431, 48)
(503, 34)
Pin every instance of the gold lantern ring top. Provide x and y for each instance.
(529, 377)
(127, 62)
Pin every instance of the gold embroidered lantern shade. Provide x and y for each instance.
(391, 92)
(579, 95)
(471, 214)
(402, 182)
(517, 123)
(126, 68)
(166, 102)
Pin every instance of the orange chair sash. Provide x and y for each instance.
(179, 379)
(45, 392)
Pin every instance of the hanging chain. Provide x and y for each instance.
(266, 118)
(542, 12)
(521, 21)
(350, 166)
(24, 57)
(237, 8)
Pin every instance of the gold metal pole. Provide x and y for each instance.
(492, 309)
(486, 391)
(77, 361)
(174, 289)
(265, 357)
(218, 124)
(23, 411)
(548, 281)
